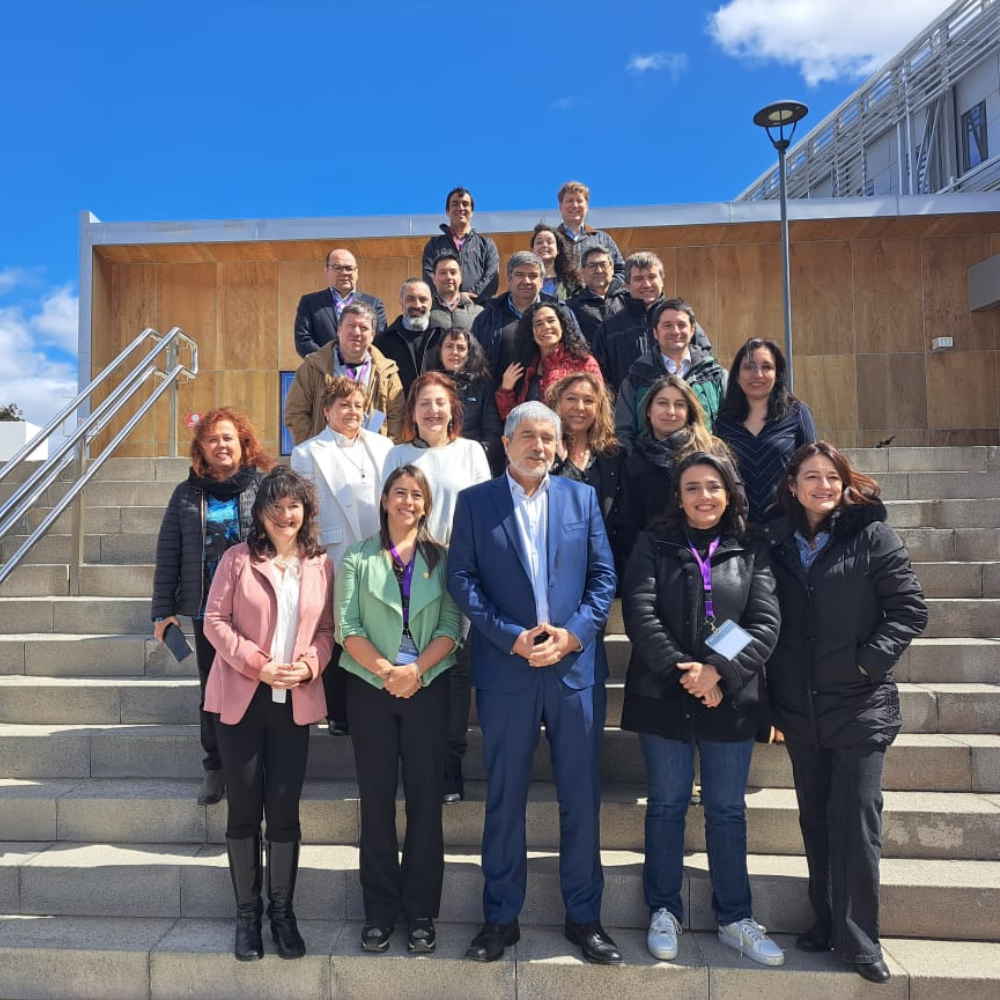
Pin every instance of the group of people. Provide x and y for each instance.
(462, 505)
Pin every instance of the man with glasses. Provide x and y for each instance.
(478, 255)
(318, 315)
(600, 297)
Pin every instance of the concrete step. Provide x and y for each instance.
(943, 513)
(878, 461)
(936, 485)
(915, 762)
(79, 615)
(118, 470)
(106, 493)
(104, 520)
(96, 580)
(43, 654)
(116, 548)
(956, 825)
(64, 957)
(949, 544)
(959, 579)
(956, 900)
(963, 617)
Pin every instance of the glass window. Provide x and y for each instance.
(975, 148)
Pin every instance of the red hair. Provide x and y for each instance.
(252, 451)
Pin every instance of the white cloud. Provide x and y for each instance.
(673, 62)
(58, 321)
(38, 384)
(825, 39)
(11, 277)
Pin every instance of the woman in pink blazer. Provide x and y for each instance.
(269, 616)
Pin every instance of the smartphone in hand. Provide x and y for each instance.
(176, 642)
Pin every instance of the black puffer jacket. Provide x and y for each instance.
(663, 605)
(480, 418)
(605, 474)
(859, 605)
(179, 576)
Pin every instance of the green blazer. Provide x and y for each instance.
(367, 602)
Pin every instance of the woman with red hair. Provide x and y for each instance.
(208, 513)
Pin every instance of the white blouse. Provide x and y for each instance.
(289, 573)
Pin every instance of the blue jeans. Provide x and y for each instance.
(670, 773)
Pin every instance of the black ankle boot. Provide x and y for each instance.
(454, 787)
(244, 867)
(282, 867)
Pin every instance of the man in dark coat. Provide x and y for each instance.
(574, 203)
(411, 339)
(318, 315)
(452, 308)
(599, 298)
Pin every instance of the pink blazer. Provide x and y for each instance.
(240, 619)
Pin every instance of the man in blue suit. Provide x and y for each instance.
(531, 567)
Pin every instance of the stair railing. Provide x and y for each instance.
(161, 362)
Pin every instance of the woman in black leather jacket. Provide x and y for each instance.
(690, 572)
(850, 605)
(207, 514)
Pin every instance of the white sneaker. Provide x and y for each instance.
(750, 939)
(664, 929)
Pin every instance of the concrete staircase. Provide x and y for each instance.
(113, 882)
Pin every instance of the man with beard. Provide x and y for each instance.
(453, 309)
(318, 315)
(410, 340)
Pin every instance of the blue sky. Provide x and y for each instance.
(209, 109)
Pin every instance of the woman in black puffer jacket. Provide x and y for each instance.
(688, 573)
(207, 514)
(850, 605)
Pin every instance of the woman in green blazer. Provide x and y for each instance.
(399, 628)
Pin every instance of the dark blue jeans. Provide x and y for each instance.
(670, 772)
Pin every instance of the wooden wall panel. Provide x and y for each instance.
(100, 315)
(828, 384)
(248, 316)
(962, 390)
(383, 277)
(133, 302)
(821, 298)
(295, 279)
(892, 391)
(257, 395)
(186, 297)
(945, 263)
(749, 293)
(888, 300)
(695, 270)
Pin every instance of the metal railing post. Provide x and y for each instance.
(78, 529)
(172, 358)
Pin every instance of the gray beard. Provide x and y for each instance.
(416, 324)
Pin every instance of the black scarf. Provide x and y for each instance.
(225, 489)
(656, 452)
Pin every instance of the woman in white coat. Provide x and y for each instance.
(346, 463)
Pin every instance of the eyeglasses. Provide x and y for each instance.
(342, 268)
(600, 265)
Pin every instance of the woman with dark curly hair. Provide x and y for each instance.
(563, 278)
(547, 347)
(207, 513)
(461, 357)
(270, 618)
(850, 605)
(761, 421)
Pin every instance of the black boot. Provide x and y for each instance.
(244, 867)
(454, 787)
(282, 867)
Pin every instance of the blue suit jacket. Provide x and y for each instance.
(488, 577)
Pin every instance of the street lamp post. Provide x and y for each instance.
(775, 119)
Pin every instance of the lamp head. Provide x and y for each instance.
(780, 116)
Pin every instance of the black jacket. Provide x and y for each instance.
(396, 343)
(859, 605)
(480, 418)
(626, 336)
(179, 575)
(663, 605)
(480, 261)
(605, 474)
(591, 310)
(316, 319)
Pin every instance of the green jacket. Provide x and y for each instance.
(367, 602)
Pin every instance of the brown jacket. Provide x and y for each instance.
(304, 408)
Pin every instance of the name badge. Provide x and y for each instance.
(729, 640)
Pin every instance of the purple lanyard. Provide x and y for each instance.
(705, 565)
(357, 373)
(405, 583)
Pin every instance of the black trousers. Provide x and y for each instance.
(335, 687)
(204, 653)
(264, 760)
(459, 681)
(840, 813)
(387, 731)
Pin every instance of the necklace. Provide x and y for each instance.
(362, 465)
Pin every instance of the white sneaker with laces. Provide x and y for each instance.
(750, 938)
(664, 929)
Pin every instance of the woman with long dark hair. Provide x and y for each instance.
(399, 628)
(547, 347)
(563, 278)
(694, 579)
(207, 514)
(270, 618)
(761, 421)
(850, 605)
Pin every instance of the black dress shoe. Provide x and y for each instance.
(421, 936)
(489, 944)
(594, 942)
(339, 727)
(814, 940)
(874, 972)
(375, 937)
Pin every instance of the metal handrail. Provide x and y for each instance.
(75, 447)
